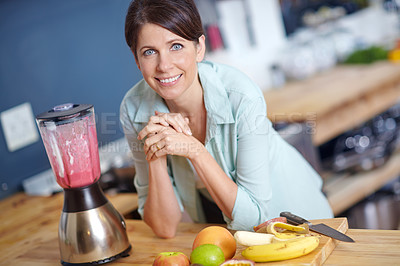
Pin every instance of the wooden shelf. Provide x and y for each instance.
(337, 100)
(343, 191)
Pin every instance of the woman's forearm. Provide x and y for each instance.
(221, 188)
(161, 210)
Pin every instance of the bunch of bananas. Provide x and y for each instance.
(277, 240)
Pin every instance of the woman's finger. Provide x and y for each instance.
(150, 152)
(172, 121)
(158, 120)
(180, 120)
(176, 121)
(149, 129)
(156, 150)
(151, 140)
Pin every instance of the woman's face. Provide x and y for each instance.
(168, 62)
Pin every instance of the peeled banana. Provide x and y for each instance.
(272, 227)
(281, 250)
(262, 228)
(287, 231)
(247, 238)
(280, 239)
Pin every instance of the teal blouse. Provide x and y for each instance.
(270, 174)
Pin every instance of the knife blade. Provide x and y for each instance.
(319, 228)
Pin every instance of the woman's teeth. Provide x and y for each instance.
(169, 80)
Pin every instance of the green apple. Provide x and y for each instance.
(207, 254)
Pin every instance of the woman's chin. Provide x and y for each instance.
(169, 95)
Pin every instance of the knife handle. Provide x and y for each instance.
(293, 218)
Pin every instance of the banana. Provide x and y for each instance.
(280, 239)
(262, 228)
(282, 250)
(287, 231)
(295, 228)
(247, 238)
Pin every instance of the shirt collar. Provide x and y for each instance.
(215, 96)
(150, 102)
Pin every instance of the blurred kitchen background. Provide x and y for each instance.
(54, 52)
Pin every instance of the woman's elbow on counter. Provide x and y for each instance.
(162, 229)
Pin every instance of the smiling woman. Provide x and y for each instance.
(168, 62)
(199, 134)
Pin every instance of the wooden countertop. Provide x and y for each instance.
(29, 225)
(336, 100)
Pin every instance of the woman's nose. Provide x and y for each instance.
(164, 62)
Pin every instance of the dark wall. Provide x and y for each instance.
(53, 52)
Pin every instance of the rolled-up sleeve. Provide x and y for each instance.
(252, 168)
(136, 146)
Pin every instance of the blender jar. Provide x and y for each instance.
(69, 135)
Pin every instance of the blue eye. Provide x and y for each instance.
(177, 46)
(148, 52)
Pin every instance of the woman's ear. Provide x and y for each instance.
(201, 48)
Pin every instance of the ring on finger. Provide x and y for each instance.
(158, 147)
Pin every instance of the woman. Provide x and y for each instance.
(199, 133)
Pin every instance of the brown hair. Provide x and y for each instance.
(181, 17)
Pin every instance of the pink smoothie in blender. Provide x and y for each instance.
(69, 136)
(91, 230)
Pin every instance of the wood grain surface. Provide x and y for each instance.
(42, 247)
(29, 225)
(29, 236)
(372, 248)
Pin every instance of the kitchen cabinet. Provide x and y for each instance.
(333, 102)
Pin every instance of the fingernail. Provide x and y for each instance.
(189, 132)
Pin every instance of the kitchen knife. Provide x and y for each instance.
(319, 228)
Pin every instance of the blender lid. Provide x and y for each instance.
(65, 111)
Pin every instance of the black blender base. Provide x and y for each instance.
(124, 253)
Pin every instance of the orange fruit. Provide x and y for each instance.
(217, 235)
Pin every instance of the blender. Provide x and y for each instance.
(91, 231)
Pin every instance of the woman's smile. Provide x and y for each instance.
(169, 81)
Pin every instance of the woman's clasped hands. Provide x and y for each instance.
(168, 133)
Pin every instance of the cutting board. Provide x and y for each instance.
(320, 254)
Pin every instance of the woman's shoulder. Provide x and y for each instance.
(130, 103)
(138, 90)
(227, 86)
(233, 79)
